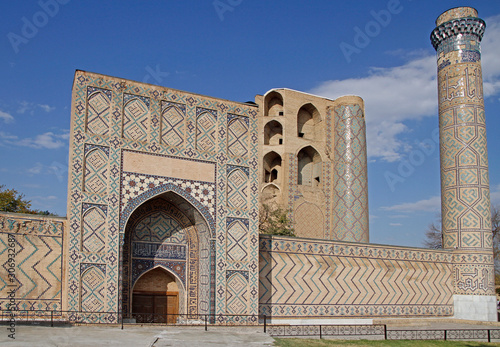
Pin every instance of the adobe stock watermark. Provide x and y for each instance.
(59, 170)
(31, 26)
(156, 74)
(10, 266)
(417, 157)
(222, 6)
(373, 28)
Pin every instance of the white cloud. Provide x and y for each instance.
(35, 170)
(395, 224)
(429, 205)
(409, 91)
(490, 51)
(6, 117)
(392, 96)
(29, 107)
(495, 195)
(398, 216)
(6, 136)
(46, 108)
(48, 140)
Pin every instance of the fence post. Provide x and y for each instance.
(206, 327)
(489, 336)
(445, 335)
(320, 335)
(265, 325)
(385, 332)
(51, 319)
(121, 314)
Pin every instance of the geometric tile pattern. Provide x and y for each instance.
(93, 290)
(134, 185)
(237, 241)
(237, 191)
(114, 114)
(159, 227)
(206, 130)
(37, 242)
(237, 135)
(328, 278)
(172, 123)
(96, 170)
(237, 293)
(98, 111)
(465, 191)
(159, 234)
(350, 189)
(94, 230)
(136, 118)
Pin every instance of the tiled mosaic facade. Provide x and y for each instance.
(120, 131)
(320, 147)
(464, 159)
(168, 180)
(31, 247)
(350, 186)
(314, 278)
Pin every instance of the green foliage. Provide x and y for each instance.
(13, 201)
(275, 221)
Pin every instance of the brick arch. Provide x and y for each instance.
(133, 204)
(184, 257)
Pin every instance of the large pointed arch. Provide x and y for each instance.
(188, 256)
(308, 119)
(309, 167)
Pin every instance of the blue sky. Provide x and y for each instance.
(235, 49)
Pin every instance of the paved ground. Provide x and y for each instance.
(149, 336)
(134, 336)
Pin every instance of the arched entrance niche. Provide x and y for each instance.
(169, 234)
(155, 297)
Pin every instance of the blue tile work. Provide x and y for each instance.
(339, 279)
(38, 246)
(98, 119)
(350, 181)
(465, 186)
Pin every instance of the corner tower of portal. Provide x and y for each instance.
(465, 196)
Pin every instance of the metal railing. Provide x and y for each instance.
(56, 318)
(326, 330)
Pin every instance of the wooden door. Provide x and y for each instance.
(172, 307)
(155, 308)
(143, 307)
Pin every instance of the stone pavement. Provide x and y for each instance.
(134, 336)
(160, 336)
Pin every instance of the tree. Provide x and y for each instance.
(275, 221)
(434, 238)
(13, 201)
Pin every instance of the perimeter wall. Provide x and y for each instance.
(316, 278)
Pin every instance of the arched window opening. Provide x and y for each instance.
(308, 119)
(272, 167)
(273, 133)
(310, 167)
(273, 104)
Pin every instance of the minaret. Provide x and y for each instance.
(350, 177)
(465, 193)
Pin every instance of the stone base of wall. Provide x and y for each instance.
(320, 321)
(476, 307)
